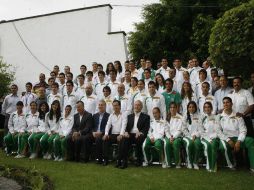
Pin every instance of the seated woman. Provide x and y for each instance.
(52, 123)
(154, 137)
(60, 141)
(209, 137)
(173, 139)
(34, 138)
(192, 131)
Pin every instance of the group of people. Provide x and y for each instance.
(159, 111)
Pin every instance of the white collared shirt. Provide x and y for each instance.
(90, 103)
(135, 127)
(220, 94)
(117, 123)
(17, 123)
(9, 104)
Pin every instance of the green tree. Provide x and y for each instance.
(6, 77)
(231, 43)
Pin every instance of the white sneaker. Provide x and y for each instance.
(189, 166)
(45, 156)
(19, 156)
(145, 164)
(33, 156)
(60, 159)
(164, 165)
(196, 167)
(49, 157)
(232, 168)
(251, 170)
(178, 167)
(56, 158)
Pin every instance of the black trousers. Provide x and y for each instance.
(107, 143)
(250, 129)
(98, 147)
(78, 149)
(6, 120)
(127, 142)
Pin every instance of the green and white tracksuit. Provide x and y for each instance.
(192, 145)
(210, 141)
(17, 127)
(233, 128)
(60, 141)
(173, 130)
(47, 139)
(156, 132)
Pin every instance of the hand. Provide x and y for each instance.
(152, 139)
(75, 135)
(105, 137)
(138, 134)
(231, 143)
(194, 137)
(61, 136)
(119, 137)
(126, 135)
(172, 140)
(97, 134)
(237, 146)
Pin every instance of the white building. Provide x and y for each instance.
(35, 44)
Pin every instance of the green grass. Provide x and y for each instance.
(68, 175)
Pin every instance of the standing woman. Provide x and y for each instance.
(187, 95)
(35, 137)
(160, 82)
(173, 139)
(192, 131)
(209, 138)
(154, 137)
(110, 67)
(60, 142)
(52, 122)
(134, 87)
(119, 70)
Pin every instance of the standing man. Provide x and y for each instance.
(28, 97)
(81, 134)
(136, 130)
(9, 105)
(164, 70)
(243, 104)
(70, 97)
(100, 120)
(90, 100)
(126, 101)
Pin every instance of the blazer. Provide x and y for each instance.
(143, 123)
(96, 119)
(85, 125)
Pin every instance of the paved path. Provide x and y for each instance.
(9, 184)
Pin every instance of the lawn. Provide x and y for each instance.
(68, 175)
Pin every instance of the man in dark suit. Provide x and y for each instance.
(100, 120)
(81, 133)
(136, 130)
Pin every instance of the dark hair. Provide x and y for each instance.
(214, 69)
(100, 65)
(102, 73)
(80, 102)
(141, 80)
(169, 114)
(62, 74)
(53, 72)
(189, 94)
(14, 85)
(157, 108)
(58, 111)
(163, 80)
(107, 68)
(128, 71)
(227, 98)
(135, 79)
(151, 83)
(208, 103)
(238, 78)
(69, 106)
(19, 103)
(207, 83)
(69, 74)
(117, 101)
(82, 76)
(169, 80)
(147, 70)
(29, 83)
(51, 78)
(106, 88)
(70, 82)
(89, 73)
(33, 102)
(113, 71)
(188, 113)
(120, 68)
(83, 66)
(55, 84)
(202, 71)
(41, 113)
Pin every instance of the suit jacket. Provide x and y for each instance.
(143, 123)
(96, 119)
(85, 125)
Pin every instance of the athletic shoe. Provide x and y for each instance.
(178, 167)
(33, 156)
(145, 164)
(49, 157)
(45, 156)
(196, 167)
(189, 166)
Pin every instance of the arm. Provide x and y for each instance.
(242, 130)
(88, 125)
(108, 126)
(11, 124)
(163, 108)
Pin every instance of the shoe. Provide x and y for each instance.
(232, 168)
(145, 164)
(118, 163)
(124, 165)
(45, 156)
(18, 156)
(196, 167)
(56, 158)
(33, 156)
(178, 167)
(105, 163)
(189, 166)
(164, 165)
(252, 170)
(60, 159)
(49, 157)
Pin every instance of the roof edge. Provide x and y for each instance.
(118, 32)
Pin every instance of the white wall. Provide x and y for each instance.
(70, 38)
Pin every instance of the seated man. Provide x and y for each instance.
(80, 134)
(100, 120)
(136, 130)
(233, 135)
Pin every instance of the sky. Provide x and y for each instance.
(122, 17)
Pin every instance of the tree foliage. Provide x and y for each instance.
(6, 77)
(177, 28)
(231, 43)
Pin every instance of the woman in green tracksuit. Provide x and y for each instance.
(209, 138)
(173, 139)
(52, 119)
(65, 126)
(38, 132)
(192, 131)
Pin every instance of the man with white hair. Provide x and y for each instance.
(126, 101)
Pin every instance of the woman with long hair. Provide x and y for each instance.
(134, 87)
(173, 136)
(209, 138)
(160, 82)
(119, 70)
(192, 132)
(38, 131)
(110, 67)
(52, 119)
(187, 95)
